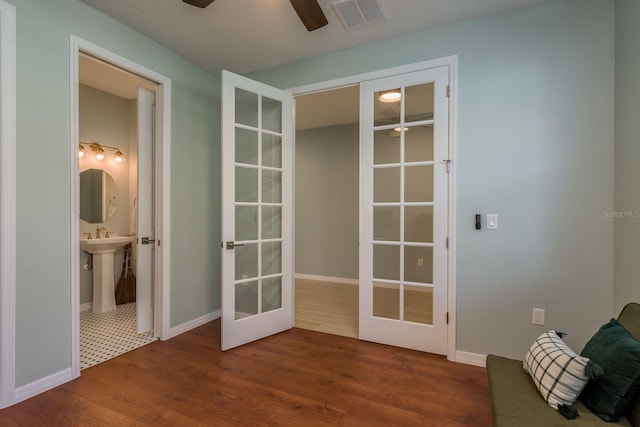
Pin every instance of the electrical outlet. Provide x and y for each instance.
(537, 317)
(420, 262)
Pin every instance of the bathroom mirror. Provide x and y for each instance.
(98, 196)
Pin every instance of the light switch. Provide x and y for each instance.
(492, 221)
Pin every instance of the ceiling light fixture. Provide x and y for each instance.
(99, 151)
(393, 95)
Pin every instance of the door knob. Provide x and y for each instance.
(232, 245)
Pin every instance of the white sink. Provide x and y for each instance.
(105, 245)
(103, 250)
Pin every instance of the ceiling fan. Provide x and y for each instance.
(309, 11)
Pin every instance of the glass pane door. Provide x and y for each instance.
(404, 128)
(257, 161)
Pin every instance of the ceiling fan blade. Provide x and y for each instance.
(310, 13)
(199, 3)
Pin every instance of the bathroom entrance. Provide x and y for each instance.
(119, 135)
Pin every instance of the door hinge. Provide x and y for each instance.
(448, 91)
(447, 163)
(446, 242)
(447, 317)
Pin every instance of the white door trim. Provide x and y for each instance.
(162, 180)
(451, 62)
(7, 203)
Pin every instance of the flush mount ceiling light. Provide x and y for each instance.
(393, 95)
(99, 151)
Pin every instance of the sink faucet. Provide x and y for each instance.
(98, 229)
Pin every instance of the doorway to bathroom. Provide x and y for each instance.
(119, 136)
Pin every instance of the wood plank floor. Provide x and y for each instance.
(296, 378)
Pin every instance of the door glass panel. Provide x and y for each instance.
(386, 223)
(271, 150)
(418, 184)
(386, 300)
(271, 294)
(271, 258)
(271, 222)
(386, 262)
(246, 108)
(271, 114)
(386, 147)
(418, 304)
(418, 143)
(271, 186)
(246, 223)
(386, 185)
(246, 299)
(246, 261)
(418, 264)
(386, 113)
(246, 184)
(418, 102)
(418, 224)
(246, 146)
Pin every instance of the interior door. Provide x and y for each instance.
(145, 226)
(257, 185)
(403, 210)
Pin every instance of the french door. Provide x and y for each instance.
(257, 213)
(403, 210)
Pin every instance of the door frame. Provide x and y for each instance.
(162, 195)
(451, 63)
(7, 203)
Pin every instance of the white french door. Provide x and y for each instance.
(145, 221)
(257, 212)
(403, 210)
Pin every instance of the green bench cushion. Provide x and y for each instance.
(516, 402)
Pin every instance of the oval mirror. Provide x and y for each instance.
(98, 196)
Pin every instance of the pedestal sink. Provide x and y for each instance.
(103, 250)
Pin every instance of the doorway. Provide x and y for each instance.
(124, 164)
(399, 262)
(326, 201)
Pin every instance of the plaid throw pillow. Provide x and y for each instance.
(558, 372)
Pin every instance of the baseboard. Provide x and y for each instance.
(192, 324)
(86, 306)
(474, 359)
(329, 279)
(43, 384)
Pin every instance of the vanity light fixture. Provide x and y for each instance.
(393, 95)
(99, 151)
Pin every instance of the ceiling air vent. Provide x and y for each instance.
(354, 13)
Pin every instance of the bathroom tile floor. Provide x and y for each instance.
(107, 335)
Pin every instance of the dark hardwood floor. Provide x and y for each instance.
(296, 378)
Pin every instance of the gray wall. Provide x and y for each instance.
(627, 155)
(534, 145)
(327, 201)
(43, 339)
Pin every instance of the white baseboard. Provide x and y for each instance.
(329, 279)
(474, 359)
(43, 384)
(192, 324)
(86, 306)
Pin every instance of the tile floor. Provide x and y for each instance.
(107, 335)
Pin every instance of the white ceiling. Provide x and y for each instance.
(247, 35)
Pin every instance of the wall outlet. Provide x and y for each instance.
(420, 262)
(537, 317)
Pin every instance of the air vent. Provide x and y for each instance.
(354, 13)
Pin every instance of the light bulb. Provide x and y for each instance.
(81, 153)
(118, 159)
(119, 155)
(100, 156)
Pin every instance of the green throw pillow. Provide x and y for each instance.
(618, 353)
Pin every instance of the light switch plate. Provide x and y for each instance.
(492, 221)
(537, 317)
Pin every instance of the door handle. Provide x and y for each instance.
(146, 241)
(233, 245)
